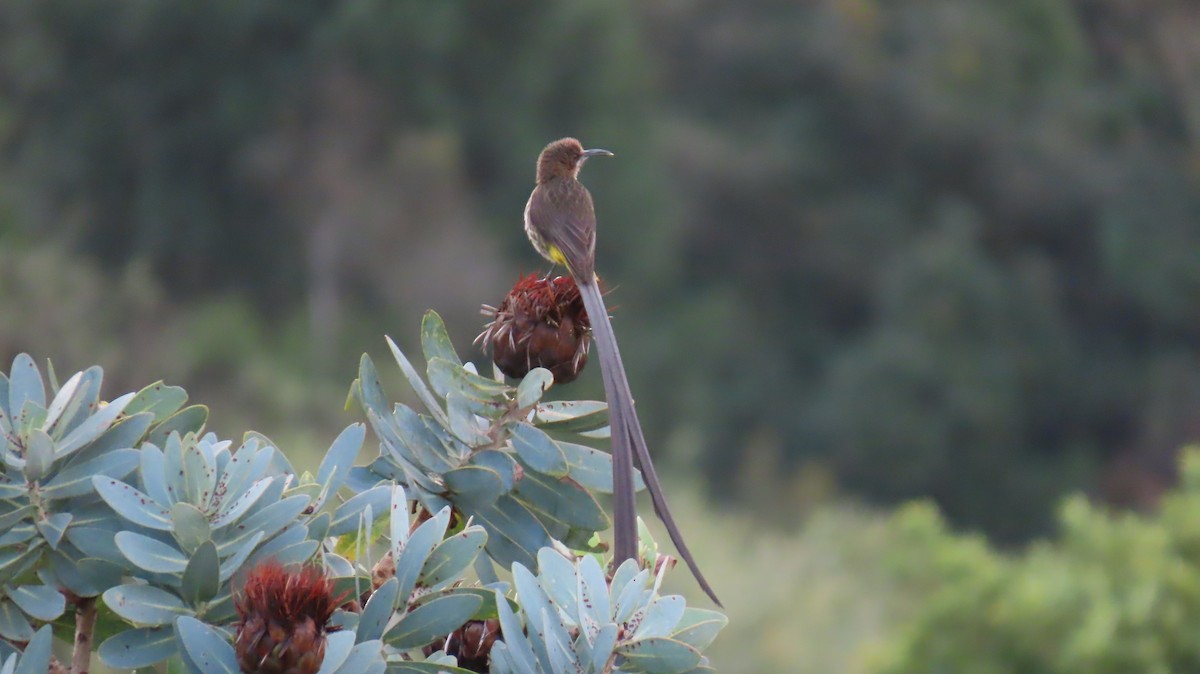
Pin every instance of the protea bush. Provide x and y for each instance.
(473, 541)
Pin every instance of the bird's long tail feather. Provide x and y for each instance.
(627, 442)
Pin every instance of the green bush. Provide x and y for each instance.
(1114, 592)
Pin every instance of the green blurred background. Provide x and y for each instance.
(862, 252)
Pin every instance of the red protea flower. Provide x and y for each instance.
(540, 323)
(284, 617)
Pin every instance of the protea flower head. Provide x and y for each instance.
(284, 618)
(540, 323)
(471, 644)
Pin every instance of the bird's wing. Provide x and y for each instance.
(563, 213)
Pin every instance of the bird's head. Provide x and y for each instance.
(563, 159)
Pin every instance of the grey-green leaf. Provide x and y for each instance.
(451, 557)
(538, 450)
(132, 504)
(431, 620)
(202, 577)
(658, 655)
(144, 605)
(532, 386)
(206, 647)
(149, 554)
(39, 601)
(138, 647)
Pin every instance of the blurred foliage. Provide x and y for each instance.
(1111, 592)
(934, 247)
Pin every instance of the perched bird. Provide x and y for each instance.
(560, 220)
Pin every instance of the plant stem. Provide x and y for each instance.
(85, 622)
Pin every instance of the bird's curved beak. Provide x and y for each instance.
(597, 152)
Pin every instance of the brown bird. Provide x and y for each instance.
(561, 223)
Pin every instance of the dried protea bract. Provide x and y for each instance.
(540, 323)
(284, 619)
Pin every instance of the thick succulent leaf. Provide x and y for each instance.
(18, 535)
(417, 550)
(337, 649)
(487, 609)
(199, 476)
(699, 627)
(150, 555)
(661, 617)
(398, 520)
(431, 620)
(401, 667)
(418, 385)
(246, 467)
(631, 590)
(571, 416)
(501, 462)
(38, 601)
(144, 605)
(93, 427)
(270, 520)
(558, 579)
(53, 527)
(202, 577)
(14, 626)
(39, 456)
(206, 647)
(451, 557)
(519, 651)
(514, 533)
(446, 376)
(235, 561)
(36, 657)
(138, 647)
(66, 403)
(339, 459)
(541, 615)
(294, 553)
(190, 526)
(346, 517)
(160, 400)
(435, 341)
(15, 515)
(532, 386)
(658, 655)
(559, 648)
(463, 423)
(132, 504)
(538, 450)
(76, 479)
(86, 577)
(125, 433)
(592, 468)
(560, 504)
(232, 509)
(25, 384)
(190, 419)
(365, 658)
(602, 645)
(152, 467)
(474, 486)
(378, 611)
(96, 542)
(417, 443)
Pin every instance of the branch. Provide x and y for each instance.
(85, 622)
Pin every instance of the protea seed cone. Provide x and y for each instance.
(540, 323)
(284, 618)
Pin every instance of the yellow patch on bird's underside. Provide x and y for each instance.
(556, 256)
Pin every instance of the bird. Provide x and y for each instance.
(560, 221)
